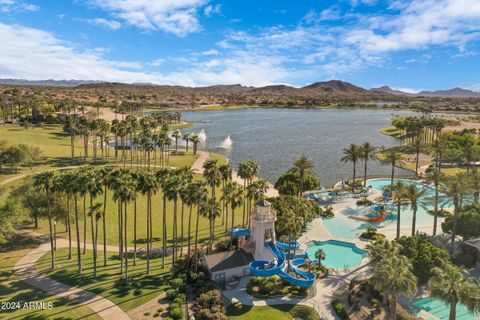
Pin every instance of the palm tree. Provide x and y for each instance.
(176, 135)
(200, 199)
(104, 180)
(148, 185)
(236, 200)
(44, 182)
(247, 170)
(211, 210)
(64, 182)
(76, 185)
(227, 192)
(367, 151)
(162, 176)
(255, 192)
(398, 197)
(435, 177)
(394, 277)
(474, 184)
(303, 166)
(172, 189)
(418, 146)
(226, 173)
(391, 158)
(190, 195)
(195, 141)
(451, 286)
(71, 125)
(320, 256)
(381, 249)
(95, 213)
(352, 154)
(413, 195)
(186, 137)
(124, 192)
(455, 188)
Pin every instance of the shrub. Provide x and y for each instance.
(176, 283)
(173, 306)
(176, 313)
(222, 245)
(181, 297)
(371, 234)
(364, 202)
(340, 310)
(171, 294)
(268, 287)
(160, 310)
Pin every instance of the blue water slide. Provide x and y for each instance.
(266, 269)
(285, 246)
(240, 232)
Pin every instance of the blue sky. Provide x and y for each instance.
(407, 44)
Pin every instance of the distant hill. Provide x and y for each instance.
(335, 87)
(388, 90)
(451, 93)
(48, 83)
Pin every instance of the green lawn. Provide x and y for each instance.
(55, 146)
(109, 283)
(391, 131)
(278, 312)
(14, 290)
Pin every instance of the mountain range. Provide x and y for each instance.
(328, 88)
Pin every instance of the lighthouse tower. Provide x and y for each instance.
(263, 230)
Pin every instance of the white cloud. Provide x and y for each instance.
(8, 6)
(179, 17)
(407, 90)
(157, 62)
(211, 10)
(211, 52)
(111, 24)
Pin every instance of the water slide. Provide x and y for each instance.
(378, 218)
(270, 268)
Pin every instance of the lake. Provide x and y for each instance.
(275, 137)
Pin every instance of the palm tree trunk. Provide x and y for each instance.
(354, 176)
(393, 307)
(148, 233)
(231, 235)
(196, 240)
(69, 226)
(435, 216)
(126, 243)
(244, 200)
(84, 224)
(164, 230)
(188, 232)
(79, 256)
(181, 229)
(454, 224)
(399, 208)
(135, 231)
(52, 246)
(174, 246)
(453, 308)
(393, 174)
(414, 220)
(104, 226)
(120, 235)
(365, 174)
(93, 240)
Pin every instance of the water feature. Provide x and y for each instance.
(338, 254)
(202, 136)
(275, 137)
(227, 143)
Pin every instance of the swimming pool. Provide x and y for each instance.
(441, 310)
(342, 227)
(338, 254)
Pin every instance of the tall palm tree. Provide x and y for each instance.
(148, 185)
(104, 180)
(255, 192)
(320, 256)
(226, 173)
(474, 184)
(413, 195)
(436, 177)
(392, 157)
(211, 210)
(176, 135)
(227, 192)
(450, 285)
(367, 151)
(398, 197)
(186, 175)
(455, 188)
(381, 249)
(200, 199)
(76, 185)
(173, 187)
(394, 277)
(195, 141)
(303, 166)
(95, 213)
(186, 137)
(352, 154)
(63, 183)
(417, 143)
(44, 182)
(162, 176)
(236, 201)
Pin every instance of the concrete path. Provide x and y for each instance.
(25, 270)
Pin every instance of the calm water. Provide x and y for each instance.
(275, 137)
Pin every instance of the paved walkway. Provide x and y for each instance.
(25, 270)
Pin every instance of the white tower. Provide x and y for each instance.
(263, 229)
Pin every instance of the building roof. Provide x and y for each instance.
(263, 203)
(228, 260)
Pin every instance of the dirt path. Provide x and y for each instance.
(25, 270)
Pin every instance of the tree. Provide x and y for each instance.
(186, 137)
(12, 156)
(367, 153)
(302, 166)
(398, 197)
(394, 277)
(451, 286)
(288, 183)
(454, 188)
(320, 256)
(162, 176)
(236, 201)
(211, 210)
(173, 187)
(226, 173)
(195, 141)
(352, 154)
(391, 158)
(44, 182)
(71, 126)
(436, 177)
(176, 135)
(200, 199)
(413, 194)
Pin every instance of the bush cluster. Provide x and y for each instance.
(340, 310)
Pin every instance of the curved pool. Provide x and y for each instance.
(338, 254)
(342, 227)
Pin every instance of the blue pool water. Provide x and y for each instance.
(338, 254)
(441, 310)
(343, 227)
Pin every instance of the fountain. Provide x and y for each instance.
(202, 136)
(226, 144)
